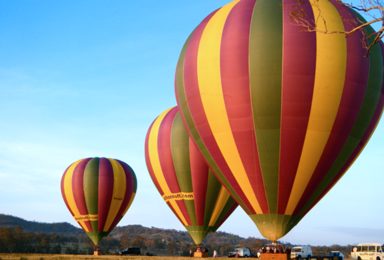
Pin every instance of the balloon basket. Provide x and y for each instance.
(97, 252)
(273, 256)
(200, 254)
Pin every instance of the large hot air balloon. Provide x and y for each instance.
(183, 179)
(98, 193)
(279, 114)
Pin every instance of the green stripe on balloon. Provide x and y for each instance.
(91, 189)
(214, 188)
(266, 40)
(96, 236)
(223, 214)
(180, 155)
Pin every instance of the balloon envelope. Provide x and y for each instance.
(183, 179)
(98, 193)
(279, 114)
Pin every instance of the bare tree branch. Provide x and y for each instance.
(370, 7)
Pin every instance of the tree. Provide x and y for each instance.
(56, 249)
(88, 243)
(159, 243)
(256, 245)
(125, 240)
(372, 8)
(140, 242)
(172, 247)
(19, 243)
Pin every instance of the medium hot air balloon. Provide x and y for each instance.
(98, 192)
(279, 114)
(183, 179)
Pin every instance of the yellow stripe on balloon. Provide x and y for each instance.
(222, 199)
(155, 162)
(209, 79)
(331, 62)
(69, 194)
(119, 183)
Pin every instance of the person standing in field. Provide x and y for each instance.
(214, 254)
(288, 250)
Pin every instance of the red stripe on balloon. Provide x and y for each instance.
(149, 163)
(164, 150)
(234, 63)
(78, 189)
(195, 106)
(356, 80)
(299, 67)
(166, 162)
(199, 174)
(106, 180)
(129, 185)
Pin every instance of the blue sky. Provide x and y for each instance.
(87, 78)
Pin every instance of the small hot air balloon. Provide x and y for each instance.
(279, 114)
(98, 192)
(183, 179)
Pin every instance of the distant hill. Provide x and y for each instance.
(63, 228)
(67, 229)
(171, 234)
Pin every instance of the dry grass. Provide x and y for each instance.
(84, 257)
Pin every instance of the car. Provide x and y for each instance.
(133, 250)
(241, 252)
(338, 254)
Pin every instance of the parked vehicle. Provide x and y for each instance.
(134, 250)
(300, 252)
(338, 254)
(367, 251)
(242, 252)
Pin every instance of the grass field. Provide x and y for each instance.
(84, 257)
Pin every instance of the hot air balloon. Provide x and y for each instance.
(183, 179)
(98, 192)
(279, 114)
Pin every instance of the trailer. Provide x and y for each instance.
(285, 256)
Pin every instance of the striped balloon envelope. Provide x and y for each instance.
(279, 114)
(98, 192)
(183, 179)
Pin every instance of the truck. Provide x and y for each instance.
(300, 252)
(367, 251)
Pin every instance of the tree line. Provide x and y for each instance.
(15, 240)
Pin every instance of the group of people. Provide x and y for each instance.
(267, 249)
(204, 250)
(275, 249)
(201, 249)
